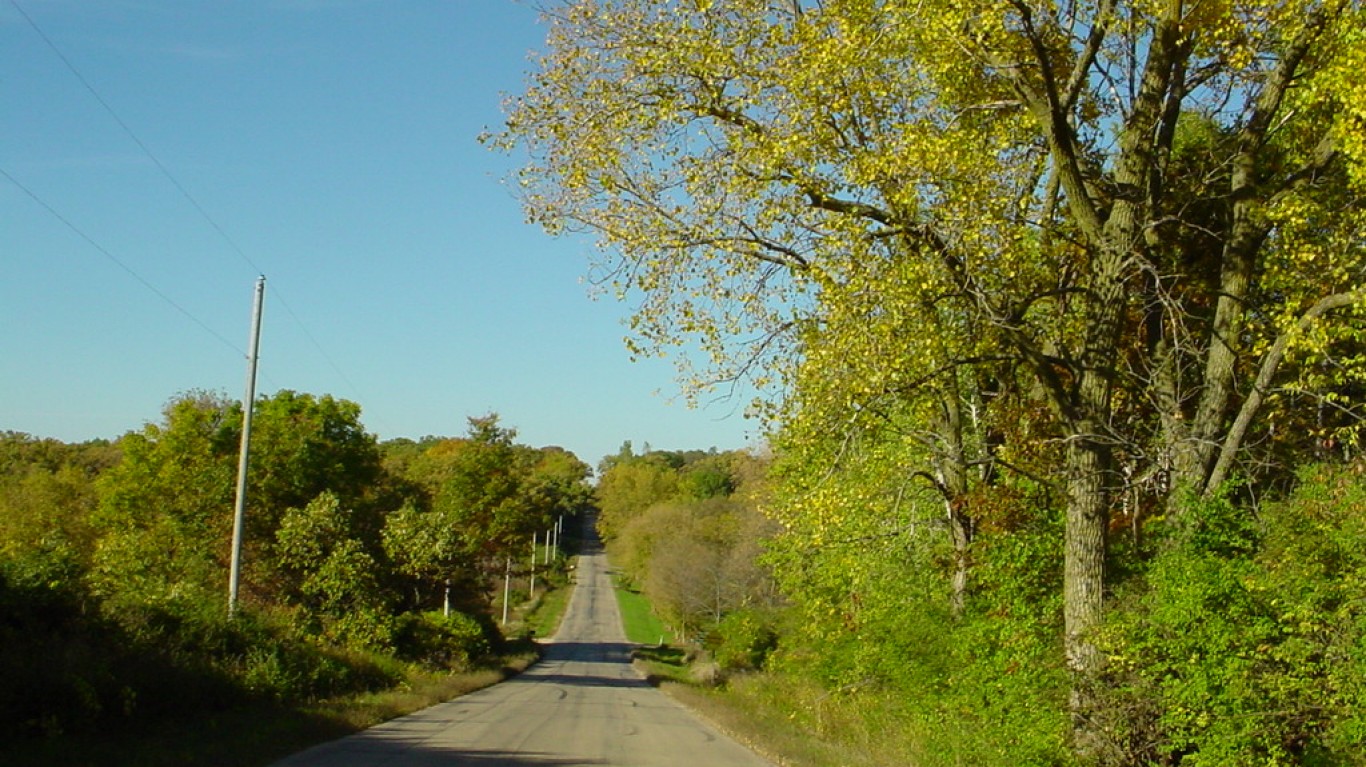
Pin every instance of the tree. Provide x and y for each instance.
(164, 515)
(1019, 178)
(164, 518)
(47, 494)
(629, 486)
(335, 579)
(304, 445)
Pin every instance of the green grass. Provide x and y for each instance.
(663, 663)
(544, 618)
(638, 618)
(655, 656)
(791, 723)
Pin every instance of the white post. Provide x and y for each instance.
(507, 590)
(243, 457)
(533, 564)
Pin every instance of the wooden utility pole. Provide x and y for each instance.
(248, 405)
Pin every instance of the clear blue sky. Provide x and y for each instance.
(334, 142)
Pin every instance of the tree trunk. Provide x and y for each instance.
(1090, 485)
(952, 469)
(1088, 513)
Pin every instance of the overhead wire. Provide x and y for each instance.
(232, 244)
(117, 261)
(134, 136)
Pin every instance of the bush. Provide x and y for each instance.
(294, 671)
(66, 668)
(1243, 643)
(443, 641)
(742, 640)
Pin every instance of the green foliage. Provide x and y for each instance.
(69, 669)
(291, 669)
(482, 498)
(1242, 643)
(113, 560)
(684, 528)
(628, 488)
(337, 579)
(1099, 246)
(304, 445)
(742, 640)
(423, 545)
(161, 515)
(711, 477)
(451, 641)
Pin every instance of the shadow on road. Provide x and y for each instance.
(481, 758)
(588, 652)
(614, 658)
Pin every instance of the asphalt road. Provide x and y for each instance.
(583, 704)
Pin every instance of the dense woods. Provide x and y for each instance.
(1056, 312)
(359, 560)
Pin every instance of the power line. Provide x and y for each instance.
(317, 346)
(125, 267)
(145, 150)
(183, 191)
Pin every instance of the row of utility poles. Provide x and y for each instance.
(550, 549)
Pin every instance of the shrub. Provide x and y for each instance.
(742, 640)
(1243, 642)
(443, 641)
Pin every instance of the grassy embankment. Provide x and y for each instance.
(261, 734)
(761, 710)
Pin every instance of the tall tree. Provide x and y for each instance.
(165, 510)
(1018, 174)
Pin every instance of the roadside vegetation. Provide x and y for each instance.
(372, 579)
(1233, 638)
(1055, 311)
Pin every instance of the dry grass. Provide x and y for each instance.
(773, 718)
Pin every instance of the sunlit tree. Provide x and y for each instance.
(1143, 211)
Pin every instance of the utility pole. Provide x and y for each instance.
(533, 564)
(248, 405)
(507, 589)
(559, 524)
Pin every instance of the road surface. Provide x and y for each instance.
(582, 704)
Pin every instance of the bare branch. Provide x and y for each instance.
(1270, 364)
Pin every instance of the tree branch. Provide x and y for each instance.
(1270, 365)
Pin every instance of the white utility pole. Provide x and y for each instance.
(248, 405)
(559, 525)
(507, 590)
